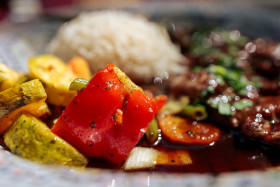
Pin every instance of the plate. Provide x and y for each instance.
(19, 42)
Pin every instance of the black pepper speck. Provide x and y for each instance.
(92, 125)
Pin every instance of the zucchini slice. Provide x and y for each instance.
(32, 139)
(28, 96)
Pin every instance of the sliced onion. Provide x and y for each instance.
(141, 158)
(144, 158)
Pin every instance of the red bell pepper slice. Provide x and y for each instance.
(160, 102)
(108, 117)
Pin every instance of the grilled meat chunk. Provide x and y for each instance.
(266, 58)
(263, 121)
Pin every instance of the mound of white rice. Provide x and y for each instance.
(140, 48)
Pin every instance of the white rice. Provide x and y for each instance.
(140, 48)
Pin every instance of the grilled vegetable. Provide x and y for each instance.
(42, 110)
(8, 77)
(80, 67)
(175, 106)
(195, 112)
(28, 96)
(143, 158)
(56, 77)
(152, 132)
(173, 157)
(160, 101)
(108, 117)
(78, 84)
(179, 130)
(32, 139)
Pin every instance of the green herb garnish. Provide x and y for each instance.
(224, 108)
(243, 103)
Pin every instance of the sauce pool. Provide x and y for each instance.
(229, 154)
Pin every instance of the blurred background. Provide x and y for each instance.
(27, 26)
(28, 10)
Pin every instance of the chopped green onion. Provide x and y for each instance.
(233, 75)
(256, 81)
(224, 108)
(239, 83)
(209, 89)
(196, 112)
(234, 78)
(219, 70)
(243, 103)
(225, 60)
(220, 80)
(213, 102)
(243, 92)
(78, 84)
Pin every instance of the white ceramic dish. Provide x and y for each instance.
(19, 42)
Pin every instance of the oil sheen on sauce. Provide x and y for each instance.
(229, 154)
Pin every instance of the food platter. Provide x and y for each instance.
(20, 42)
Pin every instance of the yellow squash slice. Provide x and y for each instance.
(8, 77)
(27, 96)
(32, 139)
(56, 77)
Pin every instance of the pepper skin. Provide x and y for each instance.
(107, 118)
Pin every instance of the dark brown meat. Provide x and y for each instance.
(269, 87)
(266, 58)
(190, 83)
(222, 120)
(232, 122)
(262, 122)
(181, 35)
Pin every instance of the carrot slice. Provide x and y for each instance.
(184, 131)
(80, 67)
